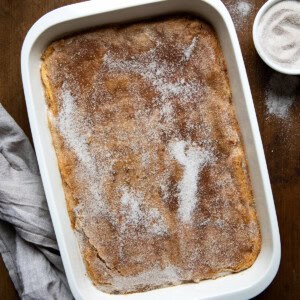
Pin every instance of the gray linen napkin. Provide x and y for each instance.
(27, 240)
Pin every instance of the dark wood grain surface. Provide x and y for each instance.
(280, 135)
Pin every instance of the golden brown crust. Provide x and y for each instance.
(150, 154)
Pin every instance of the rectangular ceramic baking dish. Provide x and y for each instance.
(243, 285)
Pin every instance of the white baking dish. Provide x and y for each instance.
(62, 21)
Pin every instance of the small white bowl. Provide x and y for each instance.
(257, 44)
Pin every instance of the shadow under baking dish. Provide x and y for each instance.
(77, 17)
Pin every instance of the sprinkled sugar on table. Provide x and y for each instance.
(277, 103)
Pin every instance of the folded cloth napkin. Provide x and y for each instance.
(27, 240)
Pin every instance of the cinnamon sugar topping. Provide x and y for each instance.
(148, 146)
(193, 160)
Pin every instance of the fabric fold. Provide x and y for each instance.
(27, 240)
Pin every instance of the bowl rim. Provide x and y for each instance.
(257, 44)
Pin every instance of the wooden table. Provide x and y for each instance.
(281, 137)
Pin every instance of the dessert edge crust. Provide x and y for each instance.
(157, 187)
